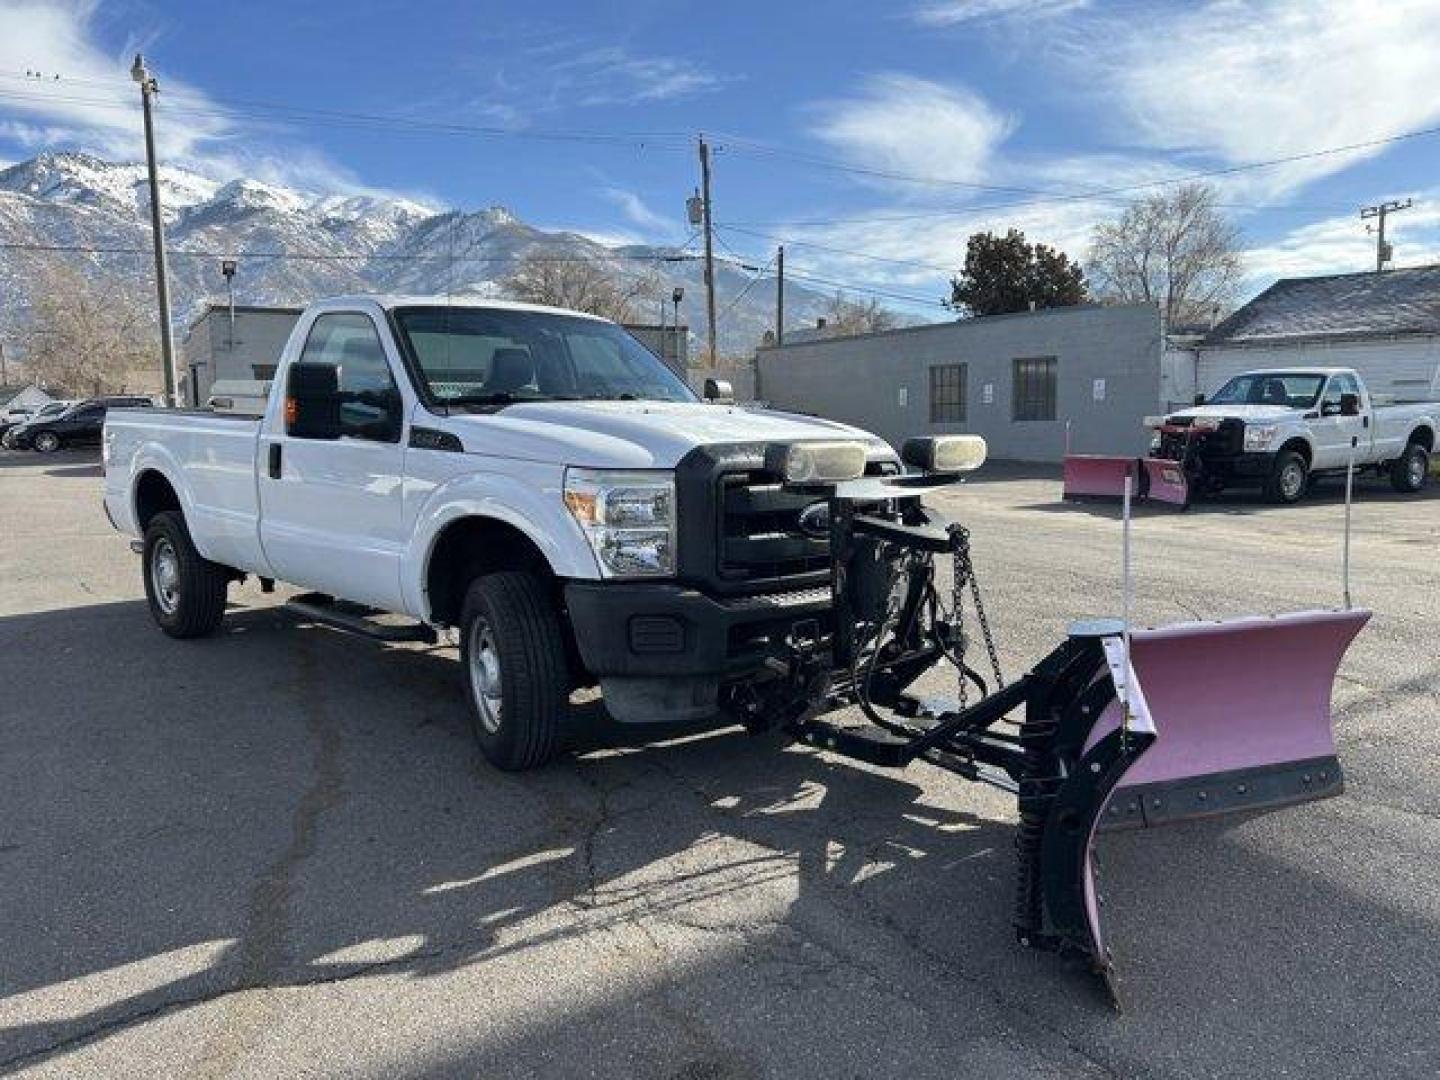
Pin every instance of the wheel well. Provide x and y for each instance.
(153, 495)
(1300, 446)
(471, 546)
(1424, 436)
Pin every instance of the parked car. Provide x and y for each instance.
(79, 425)
(45, 412)
(1281, 427)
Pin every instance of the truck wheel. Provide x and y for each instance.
(1410, 470)
(1286, 482)
(47, 442)
(513, 653)
(186, 590)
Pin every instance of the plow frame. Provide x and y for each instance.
(1076, 723)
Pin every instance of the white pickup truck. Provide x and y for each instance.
(534, 477)
(1281, 427)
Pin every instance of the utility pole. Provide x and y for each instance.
(1383, 252)
(4, 375)
(148, 89)
(709, 245)
(780, 295)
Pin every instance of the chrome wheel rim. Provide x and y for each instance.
(1417, 469)
(165, 575)
(1292, 479)
(484, 662)
(46, 443)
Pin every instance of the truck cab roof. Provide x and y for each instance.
(391, 301)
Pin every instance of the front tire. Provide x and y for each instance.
(1410, 470)
(47, 442)
(186, 591)
(1287, 479)
(513, 652)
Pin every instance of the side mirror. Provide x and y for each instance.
(1199, 399)
(719, 391)
(1349, 404)
(312, 401)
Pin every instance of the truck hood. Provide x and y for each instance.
(1251, 414)
(636, 434)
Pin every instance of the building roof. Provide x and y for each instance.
(1337, 306)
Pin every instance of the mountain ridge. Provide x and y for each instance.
(294, 246)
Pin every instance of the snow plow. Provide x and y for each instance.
(1115, 728)
(1105, 476)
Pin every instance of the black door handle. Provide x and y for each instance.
(274, 461)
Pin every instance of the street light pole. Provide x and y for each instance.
(677, 296)
(148, 89)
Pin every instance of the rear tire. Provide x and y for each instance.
(47, 442)
(186, 591)
(1287, 479)
(1410, 470)
(513, 653)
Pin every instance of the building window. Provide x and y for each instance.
(1035, 388)
(947, 393)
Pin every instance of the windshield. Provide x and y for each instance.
(1261, 388)
(498, 356)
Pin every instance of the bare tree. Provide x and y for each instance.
(90, 333)
(579, 284)
(845, 316)
(1175, 248)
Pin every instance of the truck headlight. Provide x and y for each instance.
(628, 516)
(1259, 436)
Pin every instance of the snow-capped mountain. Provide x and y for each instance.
(294, 246)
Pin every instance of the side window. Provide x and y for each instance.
(369, 399)
(1330, 403)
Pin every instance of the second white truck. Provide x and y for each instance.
(1280, 428)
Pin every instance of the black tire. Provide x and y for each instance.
(1288, 478)
(187, 596)
(509, 628)
(1410, 470)
(47, 442)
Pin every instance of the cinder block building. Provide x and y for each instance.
(1026, 382)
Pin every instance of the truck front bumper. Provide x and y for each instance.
(661, 651)
(665, 629)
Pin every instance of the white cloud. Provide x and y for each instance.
(1247, 82)
(94, 105)
(954, 12)
(1340, 244)
(637, 212)
(904, 124)
(93, 97)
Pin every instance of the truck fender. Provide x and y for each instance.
(537, 511)
(155, 457)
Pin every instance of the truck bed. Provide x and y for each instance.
(212, 457)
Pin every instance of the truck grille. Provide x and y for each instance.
(760, 538)
(1225, 441)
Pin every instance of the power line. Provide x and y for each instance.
(838, 251)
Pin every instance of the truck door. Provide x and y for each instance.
(330, 509)
(1333, 431)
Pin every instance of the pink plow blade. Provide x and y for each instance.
(1096, 474)
(1241, 722)
(1242, 714)
(1165, 481)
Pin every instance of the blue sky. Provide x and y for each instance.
(868, 132)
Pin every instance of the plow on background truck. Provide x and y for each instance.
(539, 481)
(1277, 429)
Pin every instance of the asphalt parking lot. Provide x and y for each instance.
(277, 852)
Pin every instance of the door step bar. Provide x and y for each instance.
(357, 619)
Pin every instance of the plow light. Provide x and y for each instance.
(817, 462)
(945, 453)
